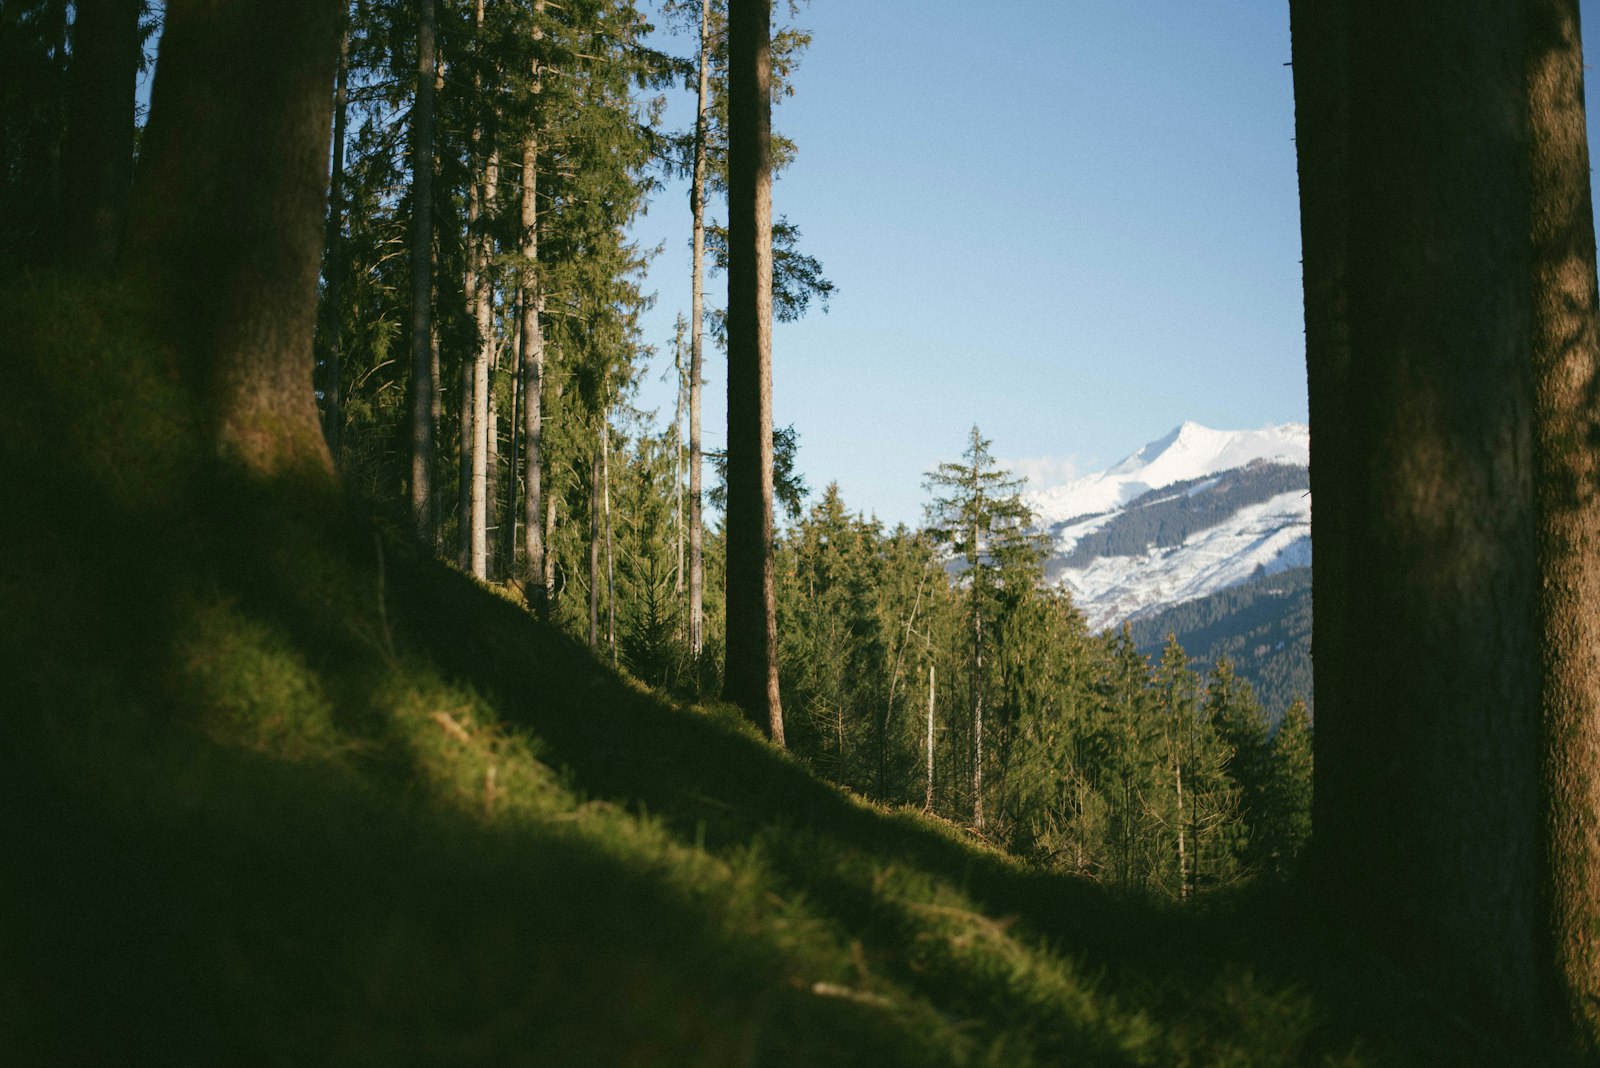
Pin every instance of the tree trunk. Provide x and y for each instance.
(751, 673)
(97, 153)
(697, 315)
(927, 798)
(1566, 364)
(225, 223)
(977, 707)
(424, 377)
(605, 498)
(482, 369)
(594, 550)
(1428, 786)
(532, 381)
(333, 263)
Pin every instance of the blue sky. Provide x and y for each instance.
(1071, 222)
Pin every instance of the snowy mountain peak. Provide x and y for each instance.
(1240, 506)
(1188, 451)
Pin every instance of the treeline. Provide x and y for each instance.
(1263, 626)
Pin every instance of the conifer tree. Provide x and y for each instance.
(985, 524)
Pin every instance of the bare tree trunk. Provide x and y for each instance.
(1566, 363)
(751, 671)
(1183, 860)
(1429, 841)
(225, 224)
(605, 497)
(532, 382)
(482, 369)
(977, 707)
(927, 797)
(594, 550)
(697, 314)
(491, 480)
(97, 153)
(423, 377)
(677, 460)
(333, 261)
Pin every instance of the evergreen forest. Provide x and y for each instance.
(382, 681)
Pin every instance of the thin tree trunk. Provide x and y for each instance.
(751, 671)
(532, 381)
(491, 481)
(483, 368)
(1183, 860)
(1566, 355)
(333, 261)
(927, 797)
(97, 152)
(225, 224)
(605, 497)
(697, 313)
(977, 708)
(436, 418)
(423, 377)
(677, 460)
(594, 550)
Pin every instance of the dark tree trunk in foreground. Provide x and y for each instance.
(225, 224)
(1566, 352)
(751, 677)
(423, 378)
(1452, 358)
(97, 155)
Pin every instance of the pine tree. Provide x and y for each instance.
(985, 524)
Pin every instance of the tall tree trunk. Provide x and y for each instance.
(1566, 363)
(927, 797)
(1428, 770)
(697, 314)
(424, 378)
(482, 370)
(751, 673)
(532, 380)
(225, 223)
(1320, 38)
(333, 261)
(605, 498)
(594, 549)
(97, 153)
(977, 706)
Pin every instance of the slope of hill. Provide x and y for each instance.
(275, 787)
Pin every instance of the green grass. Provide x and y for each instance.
(276, 788)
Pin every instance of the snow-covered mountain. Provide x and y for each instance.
(1194, 512)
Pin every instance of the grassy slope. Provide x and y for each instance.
(276, 788)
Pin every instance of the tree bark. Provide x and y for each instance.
(532, 381)
(1320, 45)
(1566, 364)
(1427, 754)
(751, 674)
(594, 549)
(225, 223)
(97, 154)
(927, 798)
(697, 314)
(333, 264)
(605, 498)
(424, 377)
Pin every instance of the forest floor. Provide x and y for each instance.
(277, 787)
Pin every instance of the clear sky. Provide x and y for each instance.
(1073, 222)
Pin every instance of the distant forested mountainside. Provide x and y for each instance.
(1263, 626)
(1166, 517)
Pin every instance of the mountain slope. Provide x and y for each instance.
(1193, 512)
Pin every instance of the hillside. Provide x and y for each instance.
(1263, 626)
(275, 787)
